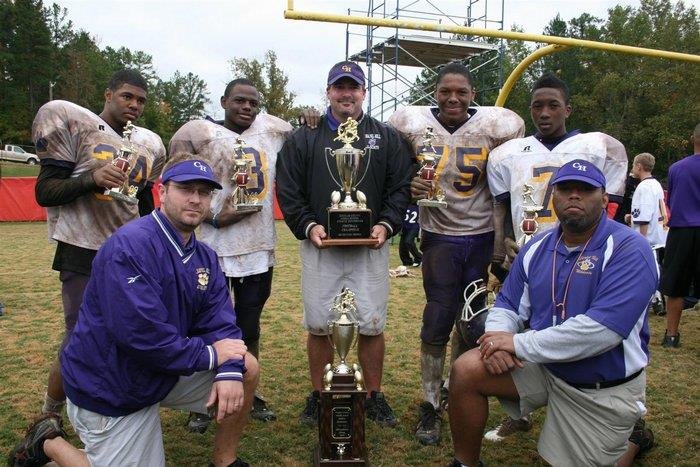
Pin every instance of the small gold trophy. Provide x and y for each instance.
(242, 199)
(341, 428)
(124, 161)
(430, 158)
(529, 225)
(349, 222)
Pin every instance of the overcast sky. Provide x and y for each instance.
(201, 36)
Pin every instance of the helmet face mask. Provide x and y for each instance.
(472, 321)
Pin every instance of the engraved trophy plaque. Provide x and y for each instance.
(241, 197)
(428, 172)
(529, 225)
(349, 222)
(124, 162)
(341, 427)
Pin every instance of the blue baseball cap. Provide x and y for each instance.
(190, 171)
(346, 70)
(580, 170)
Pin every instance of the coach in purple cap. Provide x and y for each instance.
(306, 176)
(584, 288)
(156, 328)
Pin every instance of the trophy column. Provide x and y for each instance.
(341, 427)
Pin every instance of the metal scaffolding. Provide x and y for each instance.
(394, 57)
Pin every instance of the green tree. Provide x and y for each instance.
(271, 82)
(26, 60)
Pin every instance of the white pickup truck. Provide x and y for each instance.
(12, 152)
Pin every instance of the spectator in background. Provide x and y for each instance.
(410, 230)
(682, 257)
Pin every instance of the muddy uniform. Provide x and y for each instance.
(457, 240)
(72, 139)
(529, 161)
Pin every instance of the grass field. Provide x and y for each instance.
(18, 169)
(31, 326)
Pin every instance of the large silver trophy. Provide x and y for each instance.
(241, 197)
(341, 427)
(428, 172)
(529, 225)
(125, 161)
(349, 221)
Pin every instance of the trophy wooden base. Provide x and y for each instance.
(432, 203)
(349, 242)
(121, 197)
(341, 424)
(247, 207)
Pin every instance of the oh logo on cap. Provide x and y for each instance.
(200, 166)
(346, 68)
(578, 166)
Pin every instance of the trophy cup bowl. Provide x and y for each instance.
(343, 336)
(347, 161)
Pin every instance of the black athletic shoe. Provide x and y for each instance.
(377, 409)
(429, 421)
(456, 463)
(642, 437)
(261, 411)
(198, 422)
(309, 416)
(30, 451)
(237, 463)
(671, 341)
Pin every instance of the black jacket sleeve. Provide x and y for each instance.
(55, 186)
(291, 183)
(397, 192)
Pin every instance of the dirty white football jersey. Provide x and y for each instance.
(462, 168)
(527, 161)
(246, 247)
(73, 136)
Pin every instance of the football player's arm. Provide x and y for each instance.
(55, 186)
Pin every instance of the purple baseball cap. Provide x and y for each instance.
(346, 70)
(190, 171)
(580, 170)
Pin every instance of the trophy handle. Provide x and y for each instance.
(356, 336)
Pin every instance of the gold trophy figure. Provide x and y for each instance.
(428, 172)
(349, 221)
(528, 226)
(341, 428)
(125, 161)
(241, 198)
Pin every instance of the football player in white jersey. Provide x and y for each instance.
(531, 161)
(76, 148)
(457, 240)
(244, 242)
(648, 207)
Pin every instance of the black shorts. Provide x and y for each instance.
(681, 262)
